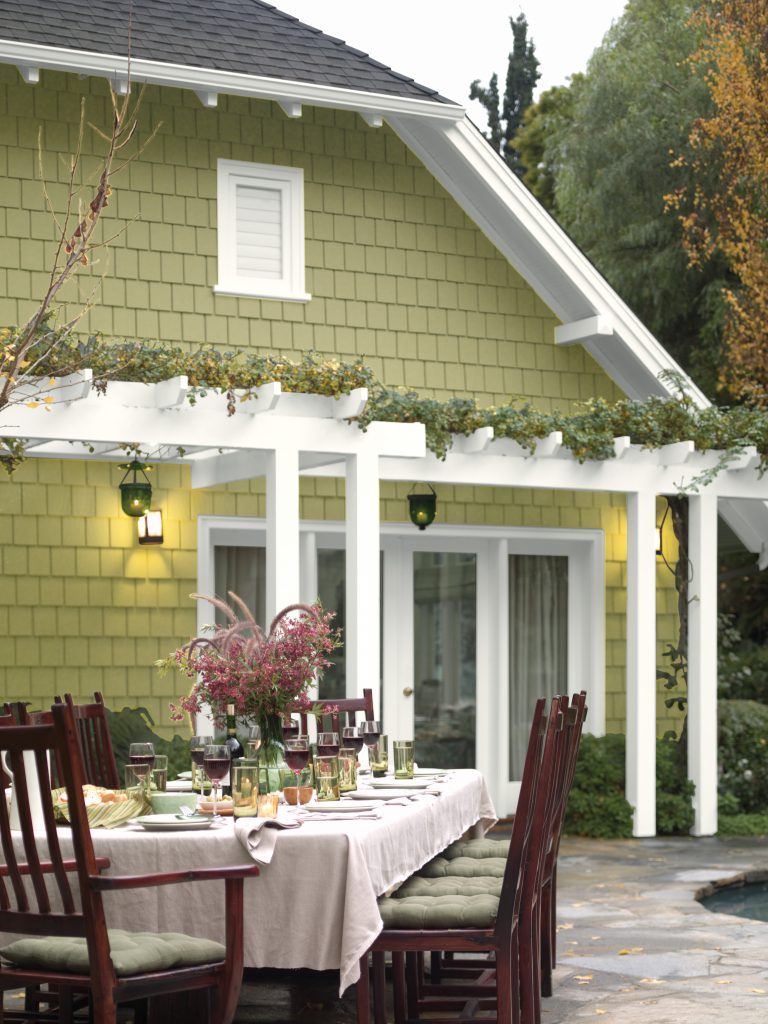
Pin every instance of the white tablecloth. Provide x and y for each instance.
(314, 905)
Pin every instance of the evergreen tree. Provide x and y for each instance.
(505, 118)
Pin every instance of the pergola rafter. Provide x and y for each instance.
(281, 436)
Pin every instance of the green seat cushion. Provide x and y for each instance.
(476, 848)
(449, 885)
(131, 952)
(424, 912)
(464, 867)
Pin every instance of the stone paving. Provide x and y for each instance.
(634, 945)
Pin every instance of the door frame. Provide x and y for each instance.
(585, 550)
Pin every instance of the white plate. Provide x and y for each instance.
(400, 783)
(384, 794)
(184, 775)
(179, 786)
(430, 771)
(340, 805)
(170, 823)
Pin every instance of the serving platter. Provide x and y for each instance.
(393, 783)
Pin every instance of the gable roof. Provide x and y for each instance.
(245, 36)
(249, 48)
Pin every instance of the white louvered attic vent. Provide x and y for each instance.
(261, 230)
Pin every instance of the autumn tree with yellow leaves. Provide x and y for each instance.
(731, 217)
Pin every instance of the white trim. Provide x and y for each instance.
(288, 184)
(232, 83)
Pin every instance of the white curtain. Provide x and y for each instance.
(242, 570)
(538, 642)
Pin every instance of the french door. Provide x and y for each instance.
(475, 625)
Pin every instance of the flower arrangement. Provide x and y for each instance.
(261, 674)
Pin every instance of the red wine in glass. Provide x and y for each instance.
(216, 767)
(141, 764)
(197, 755)
(297, 760)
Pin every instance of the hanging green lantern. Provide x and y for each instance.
(422, 508)
(135, 494)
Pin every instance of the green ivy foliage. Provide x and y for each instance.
(588, 433)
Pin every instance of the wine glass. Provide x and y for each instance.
(370, 730)
(290, 728)
(297, 757)
(351, 738)
(328, 744)
(141, 757)
(197, 747)
(216, 764)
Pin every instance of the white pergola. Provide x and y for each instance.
(283, 436)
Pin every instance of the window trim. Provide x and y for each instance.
(290, 182)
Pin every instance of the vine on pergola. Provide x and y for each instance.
(588, 432)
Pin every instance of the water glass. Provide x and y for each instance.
(159, 776)
(378, 756)
(327, 778)
(402, 751)
(244, 777)
(347, 770)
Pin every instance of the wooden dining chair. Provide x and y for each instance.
(576, 716)
(68, 943)
(347, 706)
(95, 741)
(415, 925)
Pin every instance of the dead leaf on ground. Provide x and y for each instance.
(627, 952)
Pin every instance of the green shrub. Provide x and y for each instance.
(597, 806)
(742, 665)
(743, 754)
(742, 825)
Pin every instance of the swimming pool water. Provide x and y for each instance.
(750, 900)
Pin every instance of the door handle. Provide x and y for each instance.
(407, 691)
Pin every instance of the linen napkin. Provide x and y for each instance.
(259, 835)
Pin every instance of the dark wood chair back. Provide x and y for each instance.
(95, 742)
(26, 905)
(345, 712)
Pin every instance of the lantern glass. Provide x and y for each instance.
(150, 527)
(422, 509)
(135, 494)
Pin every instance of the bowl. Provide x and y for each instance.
(171, 803)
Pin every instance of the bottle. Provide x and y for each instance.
(236, 750)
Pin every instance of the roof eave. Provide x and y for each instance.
(212, 81)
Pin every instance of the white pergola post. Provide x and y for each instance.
(283, 579)
(362, 635)
(702, 660)
(641, 661)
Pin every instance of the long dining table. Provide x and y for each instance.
(315, 904)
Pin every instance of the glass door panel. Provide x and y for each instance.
(538, 642)
(331, 589)
(444, 658)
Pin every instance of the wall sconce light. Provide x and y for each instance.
(135, 494)
(151, 527)
(422, 508)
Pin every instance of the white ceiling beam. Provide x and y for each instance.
(372, 118)
(208, 98)
(549, 447)
(675, 454)
(29, 73)
(227, 469)
(578, 332)
(348, 406)
(291, 108)
(121, 85)
(468, 444)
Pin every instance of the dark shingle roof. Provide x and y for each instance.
(246, 36)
